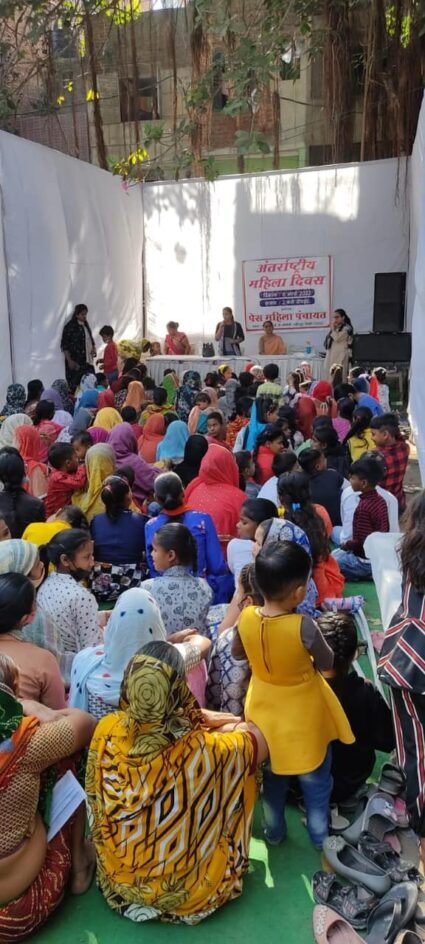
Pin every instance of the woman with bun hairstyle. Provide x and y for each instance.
(169, 493)
(118, 533)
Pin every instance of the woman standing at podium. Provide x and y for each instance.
(338, 343)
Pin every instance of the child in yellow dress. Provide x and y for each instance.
(288, 698)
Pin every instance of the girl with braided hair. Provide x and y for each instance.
(293, 490)
(369, 716)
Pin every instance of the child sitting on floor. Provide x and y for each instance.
(216, 429)
(81, 443)
(395, 450)
(282, 462)
(270, 443)
(370, 515)
(369, 716)
(359, 438)
(184, 600)
(198, 416)
(246, 466)
(294, 497)
(65, 478)
(287, 696)
(228, 678)
(382, 392)
(252, 513)
(236, 430)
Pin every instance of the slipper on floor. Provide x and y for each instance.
(351, 902)
(392, 914)
(383, 855)
(353, 865)
(330, 928)
(392, 779)
(379, 817)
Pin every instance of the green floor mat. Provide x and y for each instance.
(275, 906)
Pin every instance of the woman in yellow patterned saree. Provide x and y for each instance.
(171, 802)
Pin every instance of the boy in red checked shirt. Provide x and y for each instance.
(66, 477)
(109, 359)
(395, 452)
(370, 515)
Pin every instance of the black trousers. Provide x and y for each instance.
(409, 723)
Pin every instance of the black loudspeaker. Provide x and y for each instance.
(388, 301)
(384, 348)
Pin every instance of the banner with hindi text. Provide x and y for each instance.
(293, 293)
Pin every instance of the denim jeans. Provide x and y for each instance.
(316, 789)
(353, 567)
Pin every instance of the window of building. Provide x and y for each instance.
(139, 99)
(63, 43)
(219, 68)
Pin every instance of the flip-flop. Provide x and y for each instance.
(392, 779)
(379, 817)
(381, 853)
(392, 914)
(351, 902)
(330, 928)
(347, 861)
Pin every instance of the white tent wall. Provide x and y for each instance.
(417, 282)
(71, 234)
(197, 234)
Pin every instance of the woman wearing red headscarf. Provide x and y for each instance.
(323, 399)
(215, 491)
(152, 434)
(28, 443)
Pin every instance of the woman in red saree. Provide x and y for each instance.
(176, 341)
(216, 492)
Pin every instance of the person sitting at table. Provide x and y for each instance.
(176, 342)
(270, 343)
(229, 334)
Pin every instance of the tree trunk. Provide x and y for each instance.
(97, 114)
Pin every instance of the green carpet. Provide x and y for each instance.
(275, 906)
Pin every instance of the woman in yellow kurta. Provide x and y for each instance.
(171, 802)
(288, 698)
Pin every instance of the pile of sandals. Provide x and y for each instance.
(377, 859)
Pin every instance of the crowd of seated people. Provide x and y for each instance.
(157, 544)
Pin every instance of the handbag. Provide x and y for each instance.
(208, 349)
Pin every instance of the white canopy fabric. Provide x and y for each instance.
(69, 234)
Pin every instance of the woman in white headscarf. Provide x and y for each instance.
(97, 672)
(8, 427)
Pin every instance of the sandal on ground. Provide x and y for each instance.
(392, 779)
(351, 864)
(351, 902)
(379, 817)
(383, 855)
(392, 914)
(330, 928)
